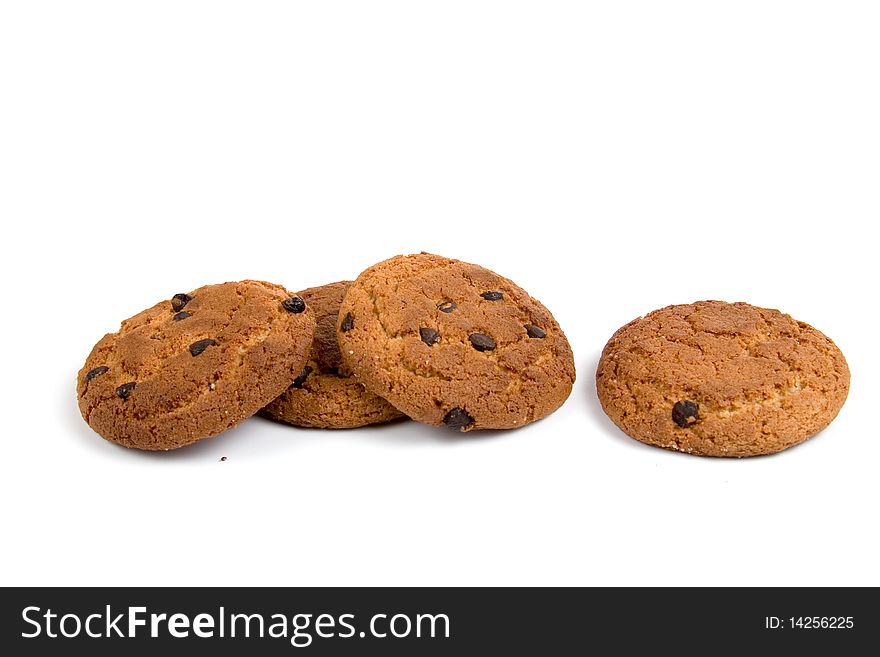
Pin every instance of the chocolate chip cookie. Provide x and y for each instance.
(195, 365)
(325, 395)
(450, 343)
(721, 379)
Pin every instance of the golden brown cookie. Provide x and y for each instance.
(195, 365)
(325, 395)
(450, 343)
(721, 379)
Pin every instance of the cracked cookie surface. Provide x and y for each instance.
(451, 343)
(721, 379)
(194, 365)
(325, 395)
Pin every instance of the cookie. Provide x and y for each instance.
(195, 365)
(721, 379)
(325, 395)
(450, 343)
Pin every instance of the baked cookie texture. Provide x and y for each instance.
(325, 395)
(451, 343)
(195, 365)
(721, 379)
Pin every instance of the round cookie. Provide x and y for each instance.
(195, 365)
(325, 395)
(721, 379)
(450, 343)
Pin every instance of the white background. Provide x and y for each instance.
(611, 158)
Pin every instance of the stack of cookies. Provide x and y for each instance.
(441, 341)
(452, 344)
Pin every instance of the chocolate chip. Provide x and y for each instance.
(98, 371)
(492, 295)
(180, 316)
(685, 413)
(298, 383)
(294, 305)
(124, 390)
(535, 331)
(481, 342)
(458, 419)
(178, 301)
(447, 306)
(347, 323)
(198, 347)
(429, 336)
